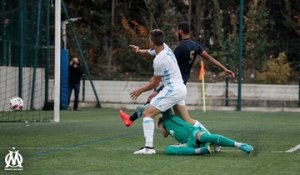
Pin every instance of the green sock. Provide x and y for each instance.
(217, 139)
(180, 150)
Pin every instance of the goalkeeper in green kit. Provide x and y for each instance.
(193, 140)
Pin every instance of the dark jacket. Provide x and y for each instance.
(75, 73)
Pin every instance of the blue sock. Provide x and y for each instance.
(134, 116)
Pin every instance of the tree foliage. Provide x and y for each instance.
(275, 71)
(111, 25)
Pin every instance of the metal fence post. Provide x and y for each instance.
(83, 87)
(240, 67)
(227, 65)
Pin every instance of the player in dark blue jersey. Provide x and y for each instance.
(186, 53)
(188, 50)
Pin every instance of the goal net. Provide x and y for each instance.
(27, 59)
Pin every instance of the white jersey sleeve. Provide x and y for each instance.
(151, 51)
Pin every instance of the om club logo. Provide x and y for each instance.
(13, 160)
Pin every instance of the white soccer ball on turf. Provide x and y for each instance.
(16, 103)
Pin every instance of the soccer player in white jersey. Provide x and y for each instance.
(173, 94)
(180, 110)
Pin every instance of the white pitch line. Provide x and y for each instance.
(293, 149)
(132, 149)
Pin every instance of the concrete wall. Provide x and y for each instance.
(117, 93)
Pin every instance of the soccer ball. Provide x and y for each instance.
(16, 103)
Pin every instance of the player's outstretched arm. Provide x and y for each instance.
(217, 63)
(137, 50)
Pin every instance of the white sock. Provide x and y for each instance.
(237, 144)
(198, 124)
(198, 150)
(148, 127)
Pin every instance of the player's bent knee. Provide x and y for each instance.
(199, 134)
(150, 112)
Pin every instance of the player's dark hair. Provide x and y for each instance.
(184, 26)
(157, 37)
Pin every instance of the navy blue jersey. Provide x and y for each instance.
(185, 53)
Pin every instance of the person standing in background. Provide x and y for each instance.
(75, 73)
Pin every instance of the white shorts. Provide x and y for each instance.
(166, 99)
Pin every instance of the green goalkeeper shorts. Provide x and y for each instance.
(192, 138)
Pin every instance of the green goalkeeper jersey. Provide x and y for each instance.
(179, 129)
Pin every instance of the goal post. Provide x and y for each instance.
(31, 59)
(57, 60)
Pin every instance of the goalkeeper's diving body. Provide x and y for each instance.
(194, 140)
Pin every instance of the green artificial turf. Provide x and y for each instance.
(95, 141)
